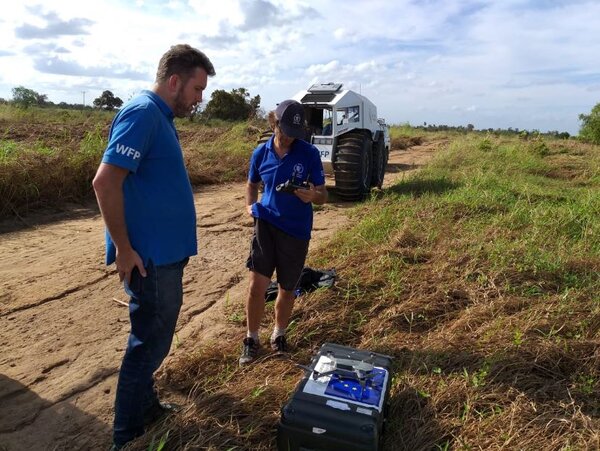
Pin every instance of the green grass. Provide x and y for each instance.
(403, 130)
(10, 113)
(9, 149)
(537, 223)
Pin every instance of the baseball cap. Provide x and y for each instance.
(290, 115)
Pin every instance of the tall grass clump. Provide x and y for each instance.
(48, 157)
(404, 136)
(479, 274)
(220, 152)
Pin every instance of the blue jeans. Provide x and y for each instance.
(153, 310)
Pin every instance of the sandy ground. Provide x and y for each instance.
(64, 324)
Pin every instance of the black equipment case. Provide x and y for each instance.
(339, 405)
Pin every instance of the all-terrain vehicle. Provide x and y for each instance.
(353, 142)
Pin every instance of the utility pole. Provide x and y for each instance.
(83, 92)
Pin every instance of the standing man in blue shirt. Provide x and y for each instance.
(147, 204)
(283, 220)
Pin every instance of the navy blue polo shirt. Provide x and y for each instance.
(159, 203)
(285, 210)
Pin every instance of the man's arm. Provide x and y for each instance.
(251, 195)
(316, 194)
(108, 185)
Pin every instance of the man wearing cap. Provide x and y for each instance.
(282, 220)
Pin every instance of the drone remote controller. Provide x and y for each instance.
(289, 186)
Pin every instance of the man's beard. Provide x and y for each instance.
(180, 108)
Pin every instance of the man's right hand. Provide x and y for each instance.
(126, 261)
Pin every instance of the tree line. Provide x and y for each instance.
(496, 131)
(234, 105)
(238, 104)
(23, 97)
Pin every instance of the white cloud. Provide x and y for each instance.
(519, 63)
(323, 69)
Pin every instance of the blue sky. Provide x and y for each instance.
(513, 63)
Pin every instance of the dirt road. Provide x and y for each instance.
(64, 320)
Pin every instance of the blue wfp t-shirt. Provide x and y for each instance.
(159, 203)
(285, 210)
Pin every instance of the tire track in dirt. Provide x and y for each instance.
(62, 335)
(54, 297)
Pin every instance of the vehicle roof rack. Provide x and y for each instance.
(323, 88)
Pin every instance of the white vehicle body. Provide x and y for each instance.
(353, 142)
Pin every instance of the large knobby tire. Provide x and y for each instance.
(379, 164)
(352, 166)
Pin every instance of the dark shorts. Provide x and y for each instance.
(274, 250)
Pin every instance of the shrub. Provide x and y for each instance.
(590, 128)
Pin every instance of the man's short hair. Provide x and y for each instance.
(182, 60)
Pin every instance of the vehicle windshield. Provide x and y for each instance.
(319, 120)
(327, 122)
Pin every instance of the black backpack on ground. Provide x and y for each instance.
(310, 280)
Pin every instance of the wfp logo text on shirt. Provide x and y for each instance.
(128, 151)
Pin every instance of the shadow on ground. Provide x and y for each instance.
(29, 422)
